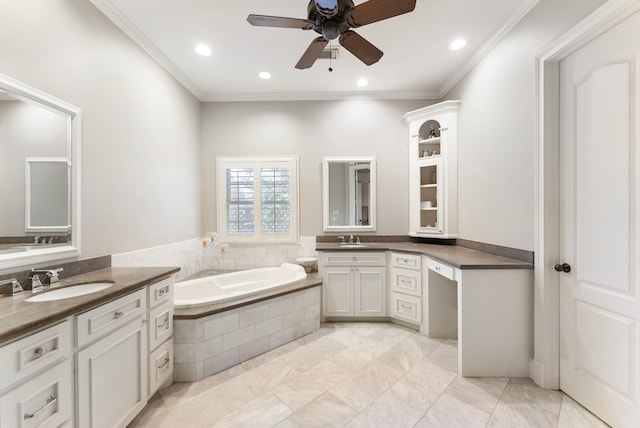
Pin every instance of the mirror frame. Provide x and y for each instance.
(73, 115)
(325, 193)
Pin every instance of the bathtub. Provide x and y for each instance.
(228, 286)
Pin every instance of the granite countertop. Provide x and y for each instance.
(313, 280)
(453, 255)
(18, 317)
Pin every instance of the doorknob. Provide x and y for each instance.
(564, 267)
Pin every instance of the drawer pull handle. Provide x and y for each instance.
(404, 281)
(163, 291)
(164, 363)
(50, 401)
(164, 325)
(118, 314)
(406, 307)
(39, 352)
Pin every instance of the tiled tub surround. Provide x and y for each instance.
(192, 257)
(211, 343)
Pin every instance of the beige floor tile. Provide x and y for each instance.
(254, 383)
(524, 404)
(409, 351)
(354, 357)
(325, 411)
(573, 415)
(307, 356)
(446, 356)
(364, 386)
(263, 411)
(421, 386)
(482, 393)
(449, 412)
(388, 410)
(299, 390)
(178, 393)
(199, 412)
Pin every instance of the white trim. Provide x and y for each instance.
(74, 117)
(321, 96)
(545, 367)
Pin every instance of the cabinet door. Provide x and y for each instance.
(43, 401)
(430, 200)
(112, 378)
(337, 284)
(370, 292)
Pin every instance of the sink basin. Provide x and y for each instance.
(352, 245)
(69, 292)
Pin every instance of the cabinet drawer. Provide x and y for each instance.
(45, 401)
(406, 281)
(444, 270)
(161, 292)
(110, 316)
(34, 352)
(363, 258)
(405, 307)
(160, 324)
(407, 261)
(160, 366)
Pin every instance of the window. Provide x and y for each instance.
(257, 199)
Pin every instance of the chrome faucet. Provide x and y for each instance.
(341, 239)
(10, 287)
(350, 239)
(36, 284)
(52, 275)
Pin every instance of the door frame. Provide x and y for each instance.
(544, 368)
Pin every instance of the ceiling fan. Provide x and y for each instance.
(333, 19)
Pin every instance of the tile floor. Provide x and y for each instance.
(360, 375)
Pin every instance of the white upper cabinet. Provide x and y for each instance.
(433, 170)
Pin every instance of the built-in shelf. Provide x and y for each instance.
(430, 141)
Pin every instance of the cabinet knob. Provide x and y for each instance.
(564, 267)
(118, 314)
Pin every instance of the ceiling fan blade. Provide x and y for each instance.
(312, 53)
(360, 47)
(279, 21)
(377, 10)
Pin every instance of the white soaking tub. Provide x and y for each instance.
(229, 286)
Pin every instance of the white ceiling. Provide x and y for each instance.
(416, 64)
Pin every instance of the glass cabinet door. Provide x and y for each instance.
(430, 195)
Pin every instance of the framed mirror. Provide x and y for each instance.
(349, 194)
(40, 176)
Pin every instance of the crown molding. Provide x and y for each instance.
(114, 14)
(318, 96)
(486, 48)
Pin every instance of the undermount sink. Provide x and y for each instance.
(69, 291)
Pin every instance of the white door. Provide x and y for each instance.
(599, 296)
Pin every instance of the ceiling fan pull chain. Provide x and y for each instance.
(330, 56)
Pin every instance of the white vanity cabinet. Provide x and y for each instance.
(160, 362)
(433, 170)
(405, 278)
(354, 284)
(36, 379)
(111, 363)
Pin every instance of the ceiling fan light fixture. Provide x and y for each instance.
(457, 44)
(203, 50)
(265, 75)
(362, 83)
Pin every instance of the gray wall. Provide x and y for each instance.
(497, 129)
(140, 128)
(313, 129)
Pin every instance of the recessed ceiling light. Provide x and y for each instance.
(457, 44)
(362, 82)
(265, 75)
(203, 50)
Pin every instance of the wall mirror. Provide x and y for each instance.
(39, 176)
(349, 194)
